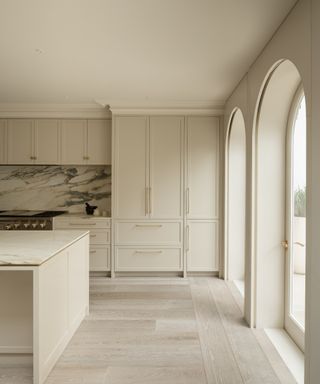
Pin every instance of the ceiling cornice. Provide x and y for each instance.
(22, 110)
(164, 108)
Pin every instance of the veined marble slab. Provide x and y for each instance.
(34, 247)
(55, 187)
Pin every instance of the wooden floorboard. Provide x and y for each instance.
(162, 331)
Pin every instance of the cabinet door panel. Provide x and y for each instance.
(202, 246)
(3, 124)
(166, 143)
(130, 167)
(47, 141)
(99, 141)
(74, 137)
(203, 167)
(20, 141)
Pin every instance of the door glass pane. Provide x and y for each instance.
(298, 255)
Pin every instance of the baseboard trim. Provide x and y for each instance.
(148, 274)
(203, 274)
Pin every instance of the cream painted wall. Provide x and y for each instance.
(291, 41)
(312, 348)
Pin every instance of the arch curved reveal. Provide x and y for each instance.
(269, 192)
(235, 199)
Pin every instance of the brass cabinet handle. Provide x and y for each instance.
(93, 251)
(86, 224)
(93, 235)
(285, 244)
(148, 252)
(148, 225)
(187, 238)
(187, 201)
(146, 201)
(150, 202)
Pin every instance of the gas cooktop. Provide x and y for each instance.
(26, 213)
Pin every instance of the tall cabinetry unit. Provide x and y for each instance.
(165, 194)
(202, 194)
(148, 193)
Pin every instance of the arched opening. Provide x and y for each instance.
(272, 190)
(236, 200)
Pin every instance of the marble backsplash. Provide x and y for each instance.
(55, 187)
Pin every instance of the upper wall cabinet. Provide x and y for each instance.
(86, 141)
(46, 142)
(33, 141)
(202, 168)
(73, 141)
(20, 141)
(99, 142)
(55, 141)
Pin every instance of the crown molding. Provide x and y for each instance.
(23, 110)
(192, 107)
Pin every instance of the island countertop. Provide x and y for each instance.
(34, 247)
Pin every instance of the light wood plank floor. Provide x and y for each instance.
(163, 331)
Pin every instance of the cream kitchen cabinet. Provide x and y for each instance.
(202, 193)
(130, 175)
(202, 167)
(202, 245)
(148, 193)
(100, 237)
(33, 141)
(148, 171)
(3, 135)
(86, 141)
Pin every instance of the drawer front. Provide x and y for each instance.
(99, 236)
(148, 233)
(81, 222)
(148, 259)
(99, 259)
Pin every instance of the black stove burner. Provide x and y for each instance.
(30, 214)
(49, 213)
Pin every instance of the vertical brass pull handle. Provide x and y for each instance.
(150, 201)
(187, 238)
(187, 201)
(146, 201)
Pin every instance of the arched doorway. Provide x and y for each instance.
(236, 200)
(272, 191)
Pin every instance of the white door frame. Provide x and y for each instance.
(294, 329)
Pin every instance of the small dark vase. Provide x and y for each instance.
(90, 208)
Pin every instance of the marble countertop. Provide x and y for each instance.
(29, 248)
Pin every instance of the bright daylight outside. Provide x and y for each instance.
(299, 218)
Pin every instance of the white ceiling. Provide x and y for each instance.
(157, 51)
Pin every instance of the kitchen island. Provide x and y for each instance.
(44, 295)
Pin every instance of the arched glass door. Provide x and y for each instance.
(296, 222)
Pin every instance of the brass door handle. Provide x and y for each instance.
(285, 244)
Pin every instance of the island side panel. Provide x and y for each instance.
(61, 293)
(15, 312)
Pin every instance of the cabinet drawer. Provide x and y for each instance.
(147, 233)
(148, 259)
(99, 236)
(99, 258)
(81, 222)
